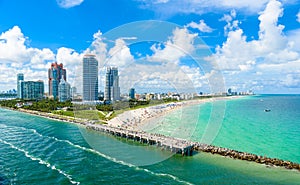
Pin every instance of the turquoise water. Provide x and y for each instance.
(246, 126)
(35, 150)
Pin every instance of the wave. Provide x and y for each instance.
(168, 175)
(48, 165)
(122, 162)
(102, 155)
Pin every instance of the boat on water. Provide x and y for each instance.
(267, 110)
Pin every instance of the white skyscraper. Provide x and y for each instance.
(63, 90)
(90, 78)
(112, 89)
(20, 78)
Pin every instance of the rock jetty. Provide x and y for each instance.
(176, 145)
(245, 156)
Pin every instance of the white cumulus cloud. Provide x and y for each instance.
(172, 7)
(180, 44)
(119, 55)
(17, 57)
(98, 48)
(201, 26)
(271, 46)
(272, 57)
(68, 3)
(298, 16)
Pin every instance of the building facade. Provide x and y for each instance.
(55, 73)
(20, 78)
(132, 93)
(90, 78)
(32, 90)
(64, 91)
(73, 92)
(112, 89)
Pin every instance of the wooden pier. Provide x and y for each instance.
(175, 145)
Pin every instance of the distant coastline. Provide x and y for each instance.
(117, 123)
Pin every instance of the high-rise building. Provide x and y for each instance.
(63, 91)
(20, 77)
(32, 90)
(73, 92)
(132, 93)
(112, 89)
(55, 73)
(90, 78)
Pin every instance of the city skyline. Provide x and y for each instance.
(255, 44)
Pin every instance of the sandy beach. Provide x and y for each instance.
(149, 116)
(128, 123)
(132, 120)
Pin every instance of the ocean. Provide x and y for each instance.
(35, 150)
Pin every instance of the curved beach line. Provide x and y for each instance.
(197, 146)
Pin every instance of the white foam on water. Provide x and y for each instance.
(48, 165)
(92, 151)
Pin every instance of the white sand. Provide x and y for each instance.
(135, 119)
(150, 116)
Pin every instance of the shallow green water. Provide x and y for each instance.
(35, 150)
(246, 126)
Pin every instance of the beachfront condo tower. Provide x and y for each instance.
(32, 90)
(20, 78)
(64, 91)
(55, 73)
(112, 89)
(90, 78)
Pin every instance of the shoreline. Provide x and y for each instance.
(150, 138)
(134, 119)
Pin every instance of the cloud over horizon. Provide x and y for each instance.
(257, 58)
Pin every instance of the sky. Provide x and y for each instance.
(158, 45)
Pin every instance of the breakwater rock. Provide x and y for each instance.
(245, 156)
(176, 145)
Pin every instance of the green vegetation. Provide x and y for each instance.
(102, 111)
(104, 107)
(87, 114)
(64, 113)
(48, 105)
(131, 104)
(10, 103)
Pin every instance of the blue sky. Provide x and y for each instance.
(251, 44)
